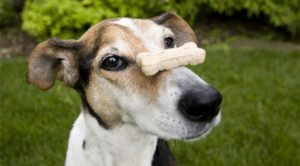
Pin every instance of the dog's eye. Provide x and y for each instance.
(169, 42)
(113, 63)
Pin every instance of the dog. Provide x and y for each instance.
(126, 117)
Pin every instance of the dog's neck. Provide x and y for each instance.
(122, 146)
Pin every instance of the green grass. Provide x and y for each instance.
(260, 113)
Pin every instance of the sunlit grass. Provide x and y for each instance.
(260, 113)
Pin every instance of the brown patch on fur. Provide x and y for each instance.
(51, 60)
(33, 77)
(94, 34)
(182, 31)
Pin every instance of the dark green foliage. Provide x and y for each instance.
(70, 18)
(7, 13)
(282, 13)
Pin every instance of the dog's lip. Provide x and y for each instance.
(206, 130)
(198, 135)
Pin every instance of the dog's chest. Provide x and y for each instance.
(118, 147)
(121, 153)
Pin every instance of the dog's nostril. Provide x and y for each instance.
(201, 104)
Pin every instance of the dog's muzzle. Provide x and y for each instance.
(200, 104)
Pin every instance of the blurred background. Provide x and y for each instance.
(253, 58)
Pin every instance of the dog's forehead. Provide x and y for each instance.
(136, 32)
(150, 33)
(139, 26)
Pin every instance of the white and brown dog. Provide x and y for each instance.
(126, 115)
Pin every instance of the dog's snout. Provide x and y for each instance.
(200, 104)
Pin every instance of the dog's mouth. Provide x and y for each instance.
(197, 136)
(206, 129)
(177, 127)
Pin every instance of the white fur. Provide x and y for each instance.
(122, 146)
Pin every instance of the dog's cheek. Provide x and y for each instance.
(147, 87)
(101, 96)
(133, 82)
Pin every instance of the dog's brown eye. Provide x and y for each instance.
(169, 42)
(113, 63)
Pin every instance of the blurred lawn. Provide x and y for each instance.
(260, 125)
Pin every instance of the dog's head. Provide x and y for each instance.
(101, 66)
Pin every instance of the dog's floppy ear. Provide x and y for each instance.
(182, 31)
(53, 59)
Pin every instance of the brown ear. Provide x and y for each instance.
(53, 59)
(182, 31)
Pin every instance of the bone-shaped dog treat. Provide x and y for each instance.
(187, 54)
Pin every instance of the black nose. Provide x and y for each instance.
(200, 104)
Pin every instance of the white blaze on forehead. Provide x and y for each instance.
(151, 36)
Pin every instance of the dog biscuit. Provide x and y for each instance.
(187, 54)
